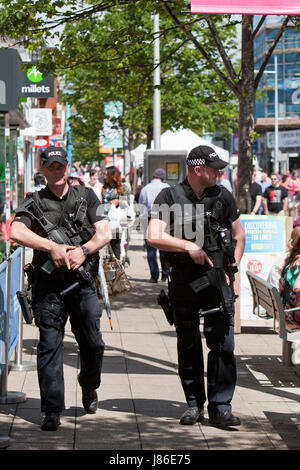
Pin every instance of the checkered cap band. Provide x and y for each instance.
(195, 161)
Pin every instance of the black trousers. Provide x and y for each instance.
(51, 313)
(219, 335)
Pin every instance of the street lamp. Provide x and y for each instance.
(156, 83)
(276, 149)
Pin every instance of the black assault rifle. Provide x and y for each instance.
(219, 246)
(65, 235)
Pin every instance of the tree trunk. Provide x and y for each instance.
(246, 117)
(149, 135)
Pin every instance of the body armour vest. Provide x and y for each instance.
(69, 214)
(192, 220)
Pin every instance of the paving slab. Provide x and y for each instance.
(141, 399)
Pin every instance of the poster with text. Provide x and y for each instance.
(265, 247)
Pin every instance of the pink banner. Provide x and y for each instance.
(251, 7)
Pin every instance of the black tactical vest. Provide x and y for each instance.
(214, 204)
(72, 210)
(57, 211)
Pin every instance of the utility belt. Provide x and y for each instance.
(61, 276)
(188, 272)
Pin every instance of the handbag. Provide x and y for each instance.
(114, 218)
(116, 278)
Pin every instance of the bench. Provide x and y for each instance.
(267, 296)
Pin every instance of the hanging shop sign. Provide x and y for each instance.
(16, 82)
(41, 142)
(40, 120)
(251, 7)
(32, 83)
(9, 64)
(111, 134)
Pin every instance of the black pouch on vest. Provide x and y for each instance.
(200, 284)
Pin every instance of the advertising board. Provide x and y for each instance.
(265, 246)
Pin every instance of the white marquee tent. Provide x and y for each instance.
(184, 139)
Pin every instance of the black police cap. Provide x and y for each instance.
(205, 155)
(53, 154)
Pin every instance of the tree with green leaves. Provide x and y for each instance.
(97, 70)
(207, 33)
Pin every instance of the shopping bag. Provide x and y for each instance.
(116, 278)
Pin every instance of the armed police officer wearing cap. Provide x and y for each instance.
(64, 226)
(203, 254)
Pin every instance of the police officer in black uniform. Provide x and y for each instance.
(76, 210)
(192, 265)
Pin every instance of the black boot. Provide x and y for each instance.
(89, 400)
(192, 415)
(224, 418)
(51, 422)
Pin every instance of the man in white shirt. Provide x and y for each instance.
(146, 198)
(224, 181)
(95, 184)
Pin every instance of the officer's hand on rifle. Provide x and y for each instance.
(59, 254)
(197, 254)
(76, 258)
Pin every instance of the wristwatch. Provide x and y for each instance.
(85, 250)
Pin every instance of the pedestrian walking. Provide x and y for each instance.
(73, 211)
(275, 198)
(256, 194)
(221, 179)
(292, 185)
(95, 184)
(114, 197)
(196, 283)
(146, 198)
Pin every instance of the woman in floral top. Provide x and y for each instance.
(290, 279)
(114, 197)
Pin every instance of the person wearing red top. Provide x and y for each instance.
(293, 186)
(275, 198)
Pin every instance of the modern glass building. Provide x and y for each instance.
(288, 81)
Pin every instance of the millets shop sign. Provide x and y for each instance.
(33, 84)
(18, 83)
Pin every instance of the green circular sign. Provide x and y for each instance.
(34, 75)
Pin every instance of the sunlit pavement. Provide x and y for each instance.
(141, 399)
